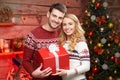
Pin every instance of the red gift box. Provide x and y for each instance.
(60, 60)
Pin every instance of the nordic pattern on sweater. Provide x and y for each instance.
(79, 61)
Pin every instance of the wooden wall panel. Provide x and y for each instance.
(25, 14)
(71, 3)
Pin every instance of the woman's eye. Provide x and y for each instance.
(64, 24)
(70, 23)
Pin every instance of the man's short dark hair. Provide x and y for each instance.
(58, 6)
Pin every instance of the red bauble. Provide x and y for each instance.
(90, 78)
(117, 60)
(95, 69)
(97, 5)
(90, 33)
(98, 50)
(112, 58)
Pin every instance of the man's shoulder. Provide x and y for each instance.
(33, 32)
(36, 29)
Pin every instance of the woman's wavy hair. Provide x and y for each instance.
(76, 36)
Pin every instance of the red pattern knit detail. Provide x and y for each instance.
(85, 51)
(32, 42)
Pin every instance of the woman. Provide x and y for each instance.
(73, 40)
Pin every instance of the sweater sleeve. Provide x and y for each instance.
(27, 60)
(27, 55)
(84, 58)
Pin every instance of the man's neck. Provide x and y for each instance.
(47, 28)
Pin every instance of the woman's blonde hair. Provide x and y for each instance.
(78, 33)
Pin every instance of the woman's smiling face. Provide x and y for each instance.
(68, 26)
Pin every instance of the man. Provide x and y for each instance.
(42, 37)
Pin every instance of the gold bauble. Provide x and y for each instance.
(110, 78)
(109, 44)
(115, 72)
(110, 25)
(99, 44)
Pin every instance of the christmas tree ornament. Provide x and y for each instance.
(90, 34)
(86, 11)
(93, 18)
(105, 4)
(112, 58)
(90, 77)
(90, 41)
(117, 54)
(119, 44)
(109, 44)
(103, 40)
(107, 16)
(93, 1)
(117, 61)
(97, 5)
(116, 39)
(105, 66)
(110, 25)
(101, 20)
(88, 14)
(91, 6)
(99, 44)
(95, 69)
(101, 29)
(115, 71)
(98, 50)
(97, 60)
(110, 78)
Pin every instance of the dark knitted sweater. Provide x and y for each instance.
(34, 40)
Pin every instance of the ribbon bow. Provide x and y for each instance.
(101, 20)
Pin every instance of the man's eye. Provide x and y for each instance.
(61, 18)
(54, 15)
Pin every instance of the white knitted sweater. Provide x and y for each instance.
(79, 61)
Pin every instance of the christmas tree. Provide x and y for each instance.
(103, 42)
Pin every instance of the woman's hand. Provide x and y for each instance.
(61, 72)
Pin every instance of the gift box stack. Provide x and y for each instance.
(55, 57)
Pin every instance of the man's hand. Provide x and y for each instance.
(38, 73)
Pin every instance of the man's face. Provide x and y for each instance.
(55, 18)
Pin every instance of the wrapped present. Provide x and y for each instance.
(55, 57)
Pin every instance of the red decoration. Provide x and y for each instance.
(24, 18)
(95, 69)
(97, 5)
(117, 60)
(112, 58)
(17, 44)
(90, 33)
(116, 39)
(90, 78)
(67, 2)
(98, 50)
(101, 20)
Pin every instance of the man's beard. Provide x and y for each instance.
(52, 26)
